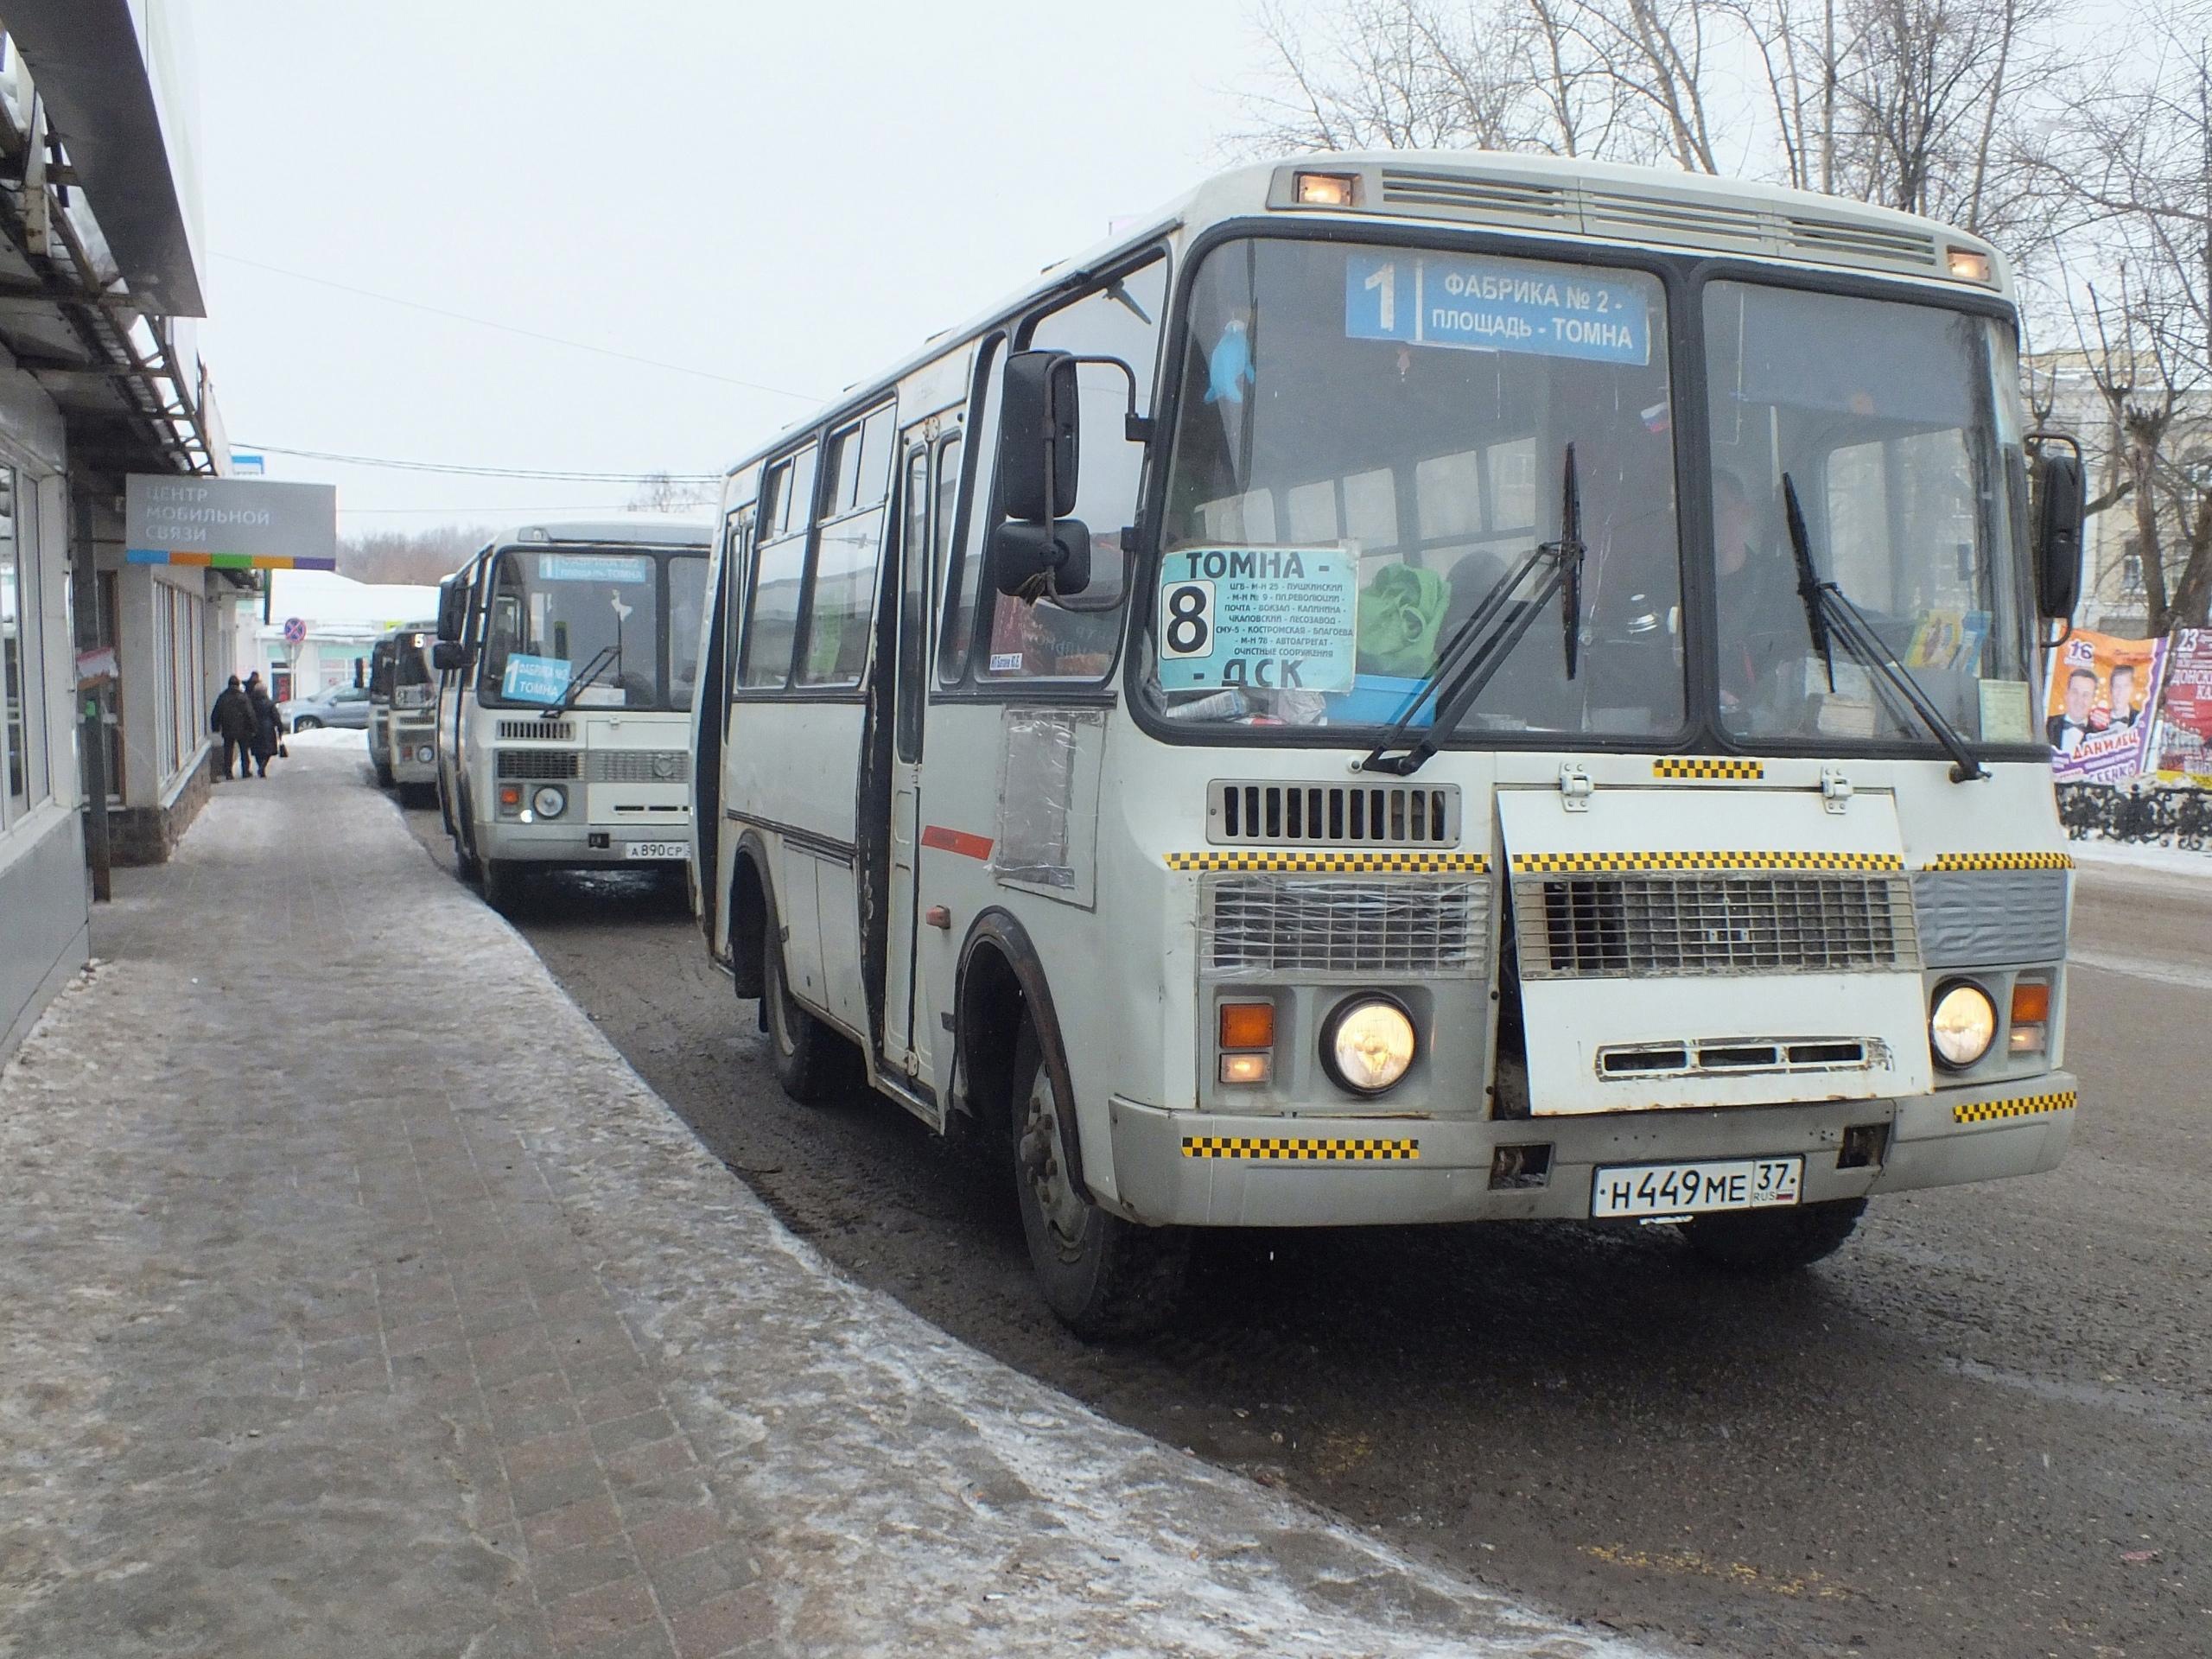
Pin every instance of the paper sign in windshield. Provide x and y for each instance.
(1275, 619)
(594, 567)
(1499, 305)
(534, 679)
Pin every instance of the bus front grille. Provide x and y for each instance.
(1664, 925)
(539, 730)
(1396, 925)
(640, 766)
(1332, 815)
(538, 765)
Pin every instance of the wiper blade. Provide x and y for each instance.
(1808, 580)
(582, 677)
(1467, 679)
(1830, 614)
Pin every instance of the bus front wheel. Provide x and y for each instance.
(1103, 1276)
(1774, 1241)
(810, 1059)
(502, 882)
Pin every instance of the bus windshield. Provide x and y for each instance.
(1369, 440)
(611, 627)
(1894, 425)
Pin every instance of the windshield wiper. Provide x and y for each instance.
(1467, 679)
(582, 677)
(1830, 615)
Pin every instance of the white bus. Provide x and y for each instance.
(567, 656)
(403, 717)
(1418, 688)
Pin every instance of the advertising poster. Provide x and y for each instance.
(2182, 751)
(2102, 692)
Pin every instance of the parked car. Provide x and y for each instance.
(341, 705)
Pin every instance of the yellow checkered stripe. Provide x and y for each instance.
(2001, 861)
(1588, 863)
(1986, 1111)
(1292, 1150)
(1323, 862)
(1693, 766)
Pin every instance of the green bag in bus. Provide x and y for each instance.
(1400, 614)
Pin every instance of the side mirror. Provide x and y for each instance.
(448, 656)
(453, 608)
(2058, 501)
(1020, 553)
(1038, 437)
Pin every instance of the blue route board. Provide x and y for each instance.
(1503, 305)
(534, 679)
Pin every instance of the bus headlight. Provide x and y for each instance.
(1367, 1043)
(1962, 1024)
(551, 802)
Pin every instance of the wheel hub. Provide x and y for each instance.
(1045, 1170)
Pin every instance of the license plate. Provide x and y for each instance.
(656, 850)
(1696, 1188)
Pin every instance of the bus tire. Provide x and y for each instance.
(384, 774)
(812, 1061)
(502, 879)
(1773, 1241)
(1103, 1276)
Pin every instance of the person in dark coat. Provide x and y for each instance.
(232, 722)
(267, 724)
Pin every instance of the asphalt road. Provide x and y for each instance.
(1984, 1429)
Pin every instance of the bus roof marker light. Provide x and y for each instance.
(1326, 189)
(1967, 264)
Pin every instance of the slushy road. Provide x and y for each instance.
(1984, 1429)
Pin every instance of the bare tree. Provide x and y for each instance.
(423, 557)
(660, 492)
(2140, 190)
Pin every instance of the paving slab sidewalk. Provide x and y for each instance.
(356, 1297)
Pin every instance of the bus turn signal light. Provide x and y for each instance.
(1247, 1025)
(2031, 1017)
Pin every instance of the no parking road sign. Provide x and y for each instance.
(295, 631)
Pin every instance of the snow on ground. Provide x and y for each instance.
(329, 737)
(2141, 856)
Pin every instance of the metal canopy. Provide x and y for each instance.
(92, 70)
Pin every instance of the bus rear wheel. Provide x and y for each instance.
(1774, 1241)
(1103, 1276)
(811, 1061)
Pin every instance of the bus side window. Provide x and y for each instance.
(964, 570)
(737, 555)
(779, 569)
(1121, 319)
(840, 609)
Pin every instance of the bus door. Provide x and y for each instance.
(929, 479)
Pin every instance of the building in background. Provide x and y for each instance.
(100, 274)
(339, 620)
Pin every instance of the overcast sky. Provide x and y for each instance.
(791, 193)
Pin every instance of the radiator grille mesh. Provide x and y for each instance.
(1646, 926)
(536, 764)
(537, 731)
(1266, 925)
(640, 766)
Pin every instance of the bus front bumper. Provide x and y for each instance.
(583, 845)
(1213, 1169)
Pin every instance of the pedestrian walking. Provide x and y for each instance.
(233, 720)
(267, 724)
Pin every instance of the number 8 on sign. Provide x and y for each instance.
(1186, 619)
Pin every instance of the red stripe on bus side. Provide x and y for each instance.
(957, 840)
